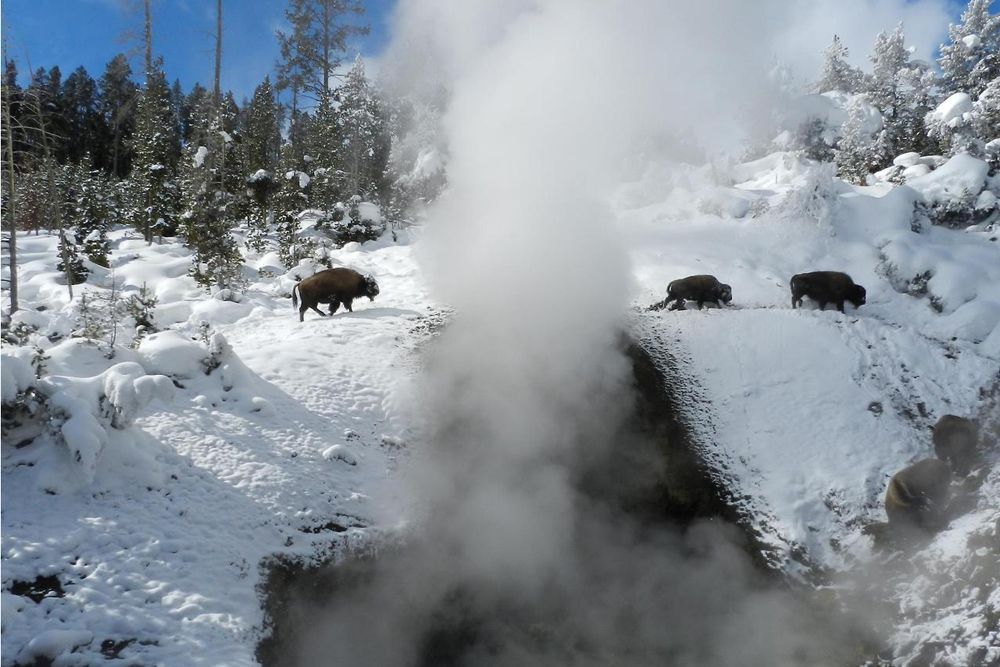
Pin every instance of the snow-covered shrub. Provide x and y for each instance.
(816, 199)
(140, 308)
(362, 223)
(70, 262)
(82, 410)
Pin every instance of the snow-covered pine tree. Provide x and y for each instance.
(152, 142)
(323, 148)
(855, 150)
(885, 91)
(89, 208)
(289, 200)
(207, 228)
(217, 262)
(364, 144)
(972, 58)
(70, 261)
(920, 90)
(837, 73)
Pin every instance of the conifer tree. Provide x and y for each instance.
(261, 141)
(972, 58)
(117, 107)
(363, 148)
(837, 73)
(153, 144)
(855, 150)
(885, 91)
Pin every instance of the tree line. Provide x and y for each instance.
(86, 155)
(906, 93)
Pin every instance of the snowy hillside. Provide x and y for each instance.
(279, 438)
(805, 415)
(273, 443)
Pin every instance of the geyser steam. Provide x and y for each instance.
(527, 388)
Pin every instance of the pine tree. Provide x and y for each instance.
(972, 59)
(311, 51)
(290, 199)
(89, 209)
(323, 147)
(261, 142)
(364, 145)
(117, 107)
(855, 150)
(885, 91)
(153, 145)
(837, 73)
(85, 129)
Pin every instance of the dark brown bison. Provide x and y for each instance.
(955, 441)
(826, 287)
(335, 287)
(703, 289)
(918, 495)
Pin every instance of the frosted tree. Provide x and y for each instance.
(920, 90)
(855, 151)
(364, 143)
(217, 262)
(117, 105)
(153, 144)
(89, 208)
(289, 200)
(972, 58)
(837, 73)
(886, 92)
(323, 146)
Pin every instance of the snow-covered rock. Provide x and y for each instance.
(961, 178)
(952, 110)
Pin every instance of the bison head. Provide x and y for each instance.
(371, 287)
(858, 296)
(725, 293)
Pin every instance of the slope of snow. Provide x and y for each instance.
(159, 556)
(804, 415)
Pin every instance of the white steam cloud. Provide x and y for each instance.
(527, 390)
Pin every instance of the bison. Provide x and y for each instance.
(918, 495)
(335, 287)
(702, 288)
(826, 287)
(955, 441)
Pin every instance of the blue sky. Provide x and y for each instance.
(70, 33)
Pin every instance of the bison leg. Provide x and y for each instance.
(334, 305)
(822, 305)
(678, 304)
(314, 307)
(796, 300)
(347, 305)
(840, 306)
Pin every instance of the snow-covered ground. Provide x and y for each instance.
(288, 444)
(274, 452)
(806, 414)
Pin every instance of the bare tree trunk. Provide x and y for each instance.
(12, 206)
(326, 47)
(148, 29)
(217, 89)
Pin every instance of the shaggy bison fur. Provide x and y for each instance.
(826, 287)
(955, 441)
(918, 495)
(702, 289)
(335, 287)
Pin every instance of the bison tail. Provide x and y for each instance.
(295, 299)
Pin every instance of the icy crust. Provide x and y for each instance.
(154, 515)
